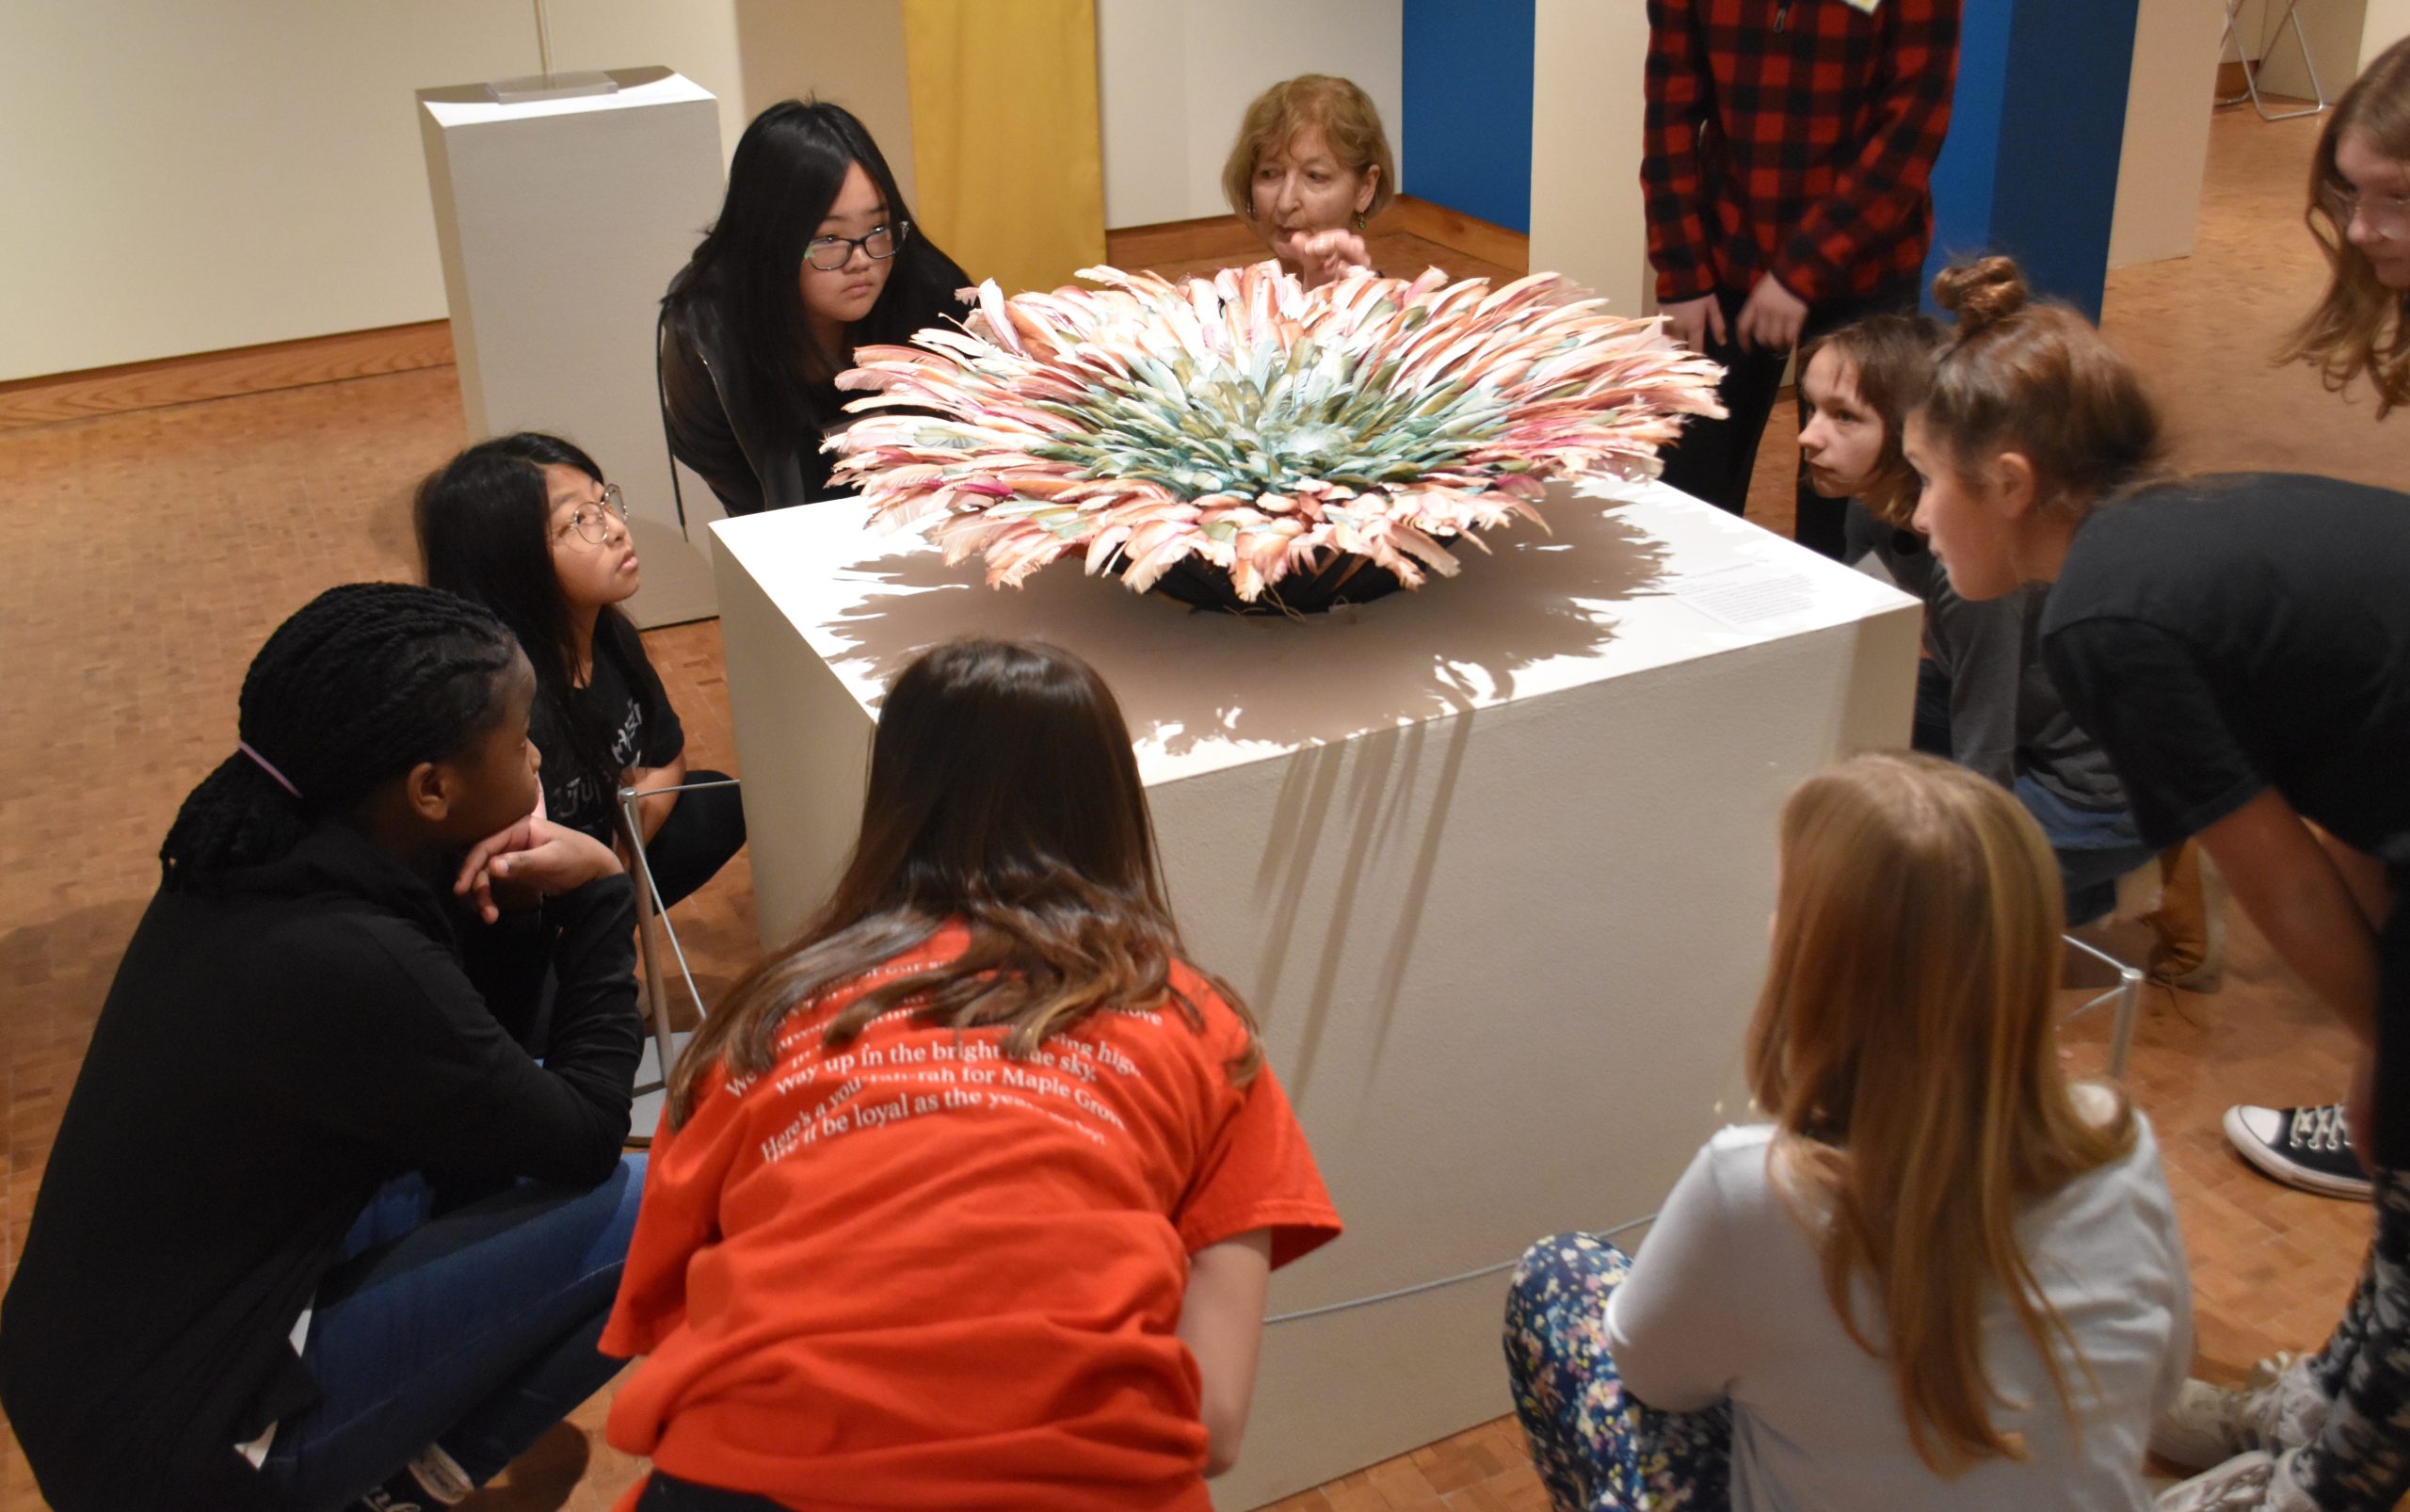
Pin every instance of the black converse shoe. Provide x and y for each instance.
(2300, 1147)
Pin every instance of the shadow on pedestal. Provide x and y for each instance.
(1455, 644)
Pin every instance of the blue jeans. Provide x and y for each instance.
(2095, 848)
(472, 1328)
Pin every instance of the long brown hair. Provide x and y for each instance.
(2359, 325)
(1904, 1047)
(1003, 798)
(1890, 358)
(2036, 378)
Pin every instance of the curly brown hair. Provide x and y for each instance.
(1346, 116)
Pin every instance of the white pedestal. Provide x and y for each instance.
(1492, 863)
(561, 222)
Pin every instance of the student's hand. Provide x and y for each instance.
(514, 868)
(1323, 255)
(1694, 321)
(1772, 316)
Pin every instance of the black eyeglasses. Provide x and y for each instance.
(829, 254)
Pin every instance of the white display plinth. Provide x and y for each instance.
(561, 223)
(1492, 863)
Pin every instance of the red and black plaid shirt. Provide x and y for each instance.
(1795, 137)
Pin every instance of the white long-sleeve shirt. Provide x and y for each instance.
(1727, 1300)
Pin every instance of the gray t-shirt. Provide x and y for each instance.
(1727, 1300)
(2006, 718)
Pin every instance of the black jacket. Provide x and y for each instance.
(755, 452)
(274, 1048)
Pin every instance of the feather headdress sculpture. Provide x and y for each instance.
(1249, 423)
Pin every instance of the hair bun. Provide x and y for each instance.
(1980, 293)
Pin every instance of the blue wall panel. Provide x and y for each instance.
(1467, 135)
(1964, 176)
(2031, 167)
(2057, 191)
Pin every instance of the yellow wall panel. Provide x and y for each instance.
(1005, 148)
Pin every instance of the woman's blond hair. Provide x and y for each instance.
(1904, 1048)
(2034, 378)
(1348, 121)
(2359, 327)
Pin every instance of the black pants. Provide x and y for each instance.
(1715, 459)
(702, 832)
(668, 1493)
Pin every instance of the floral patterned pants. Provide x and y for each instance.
(2361, 1457)
(1599, 1449)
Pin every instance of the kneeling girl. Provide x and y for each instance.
(1941, 1275)
(968, 1197)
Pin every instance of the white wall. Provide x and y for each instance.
(1586, 110)
(2387, 23)
(850, 52)
(1175, 75)
(2166, 151)
(2333, 30)
(181, 178)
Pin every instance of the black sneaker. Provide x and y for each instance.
(2300, 1147)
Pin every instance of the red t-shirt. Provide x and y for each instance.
(914, 1274)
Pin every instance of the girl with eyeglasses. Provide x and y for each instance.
(2360, 211)
(814, 253)
(525, 526)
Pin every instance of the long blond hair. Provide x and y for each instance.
(1904, 1047)
(2359, 324)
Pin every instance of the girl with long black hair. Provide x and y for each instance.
(813, 255)
(525, 526)
(320, 1224)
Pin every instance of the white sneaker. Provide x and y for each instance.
(2278, 1409)
(2240, 1485)
(2254, 1482)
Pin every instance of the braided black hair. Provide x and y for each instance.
(361, 685)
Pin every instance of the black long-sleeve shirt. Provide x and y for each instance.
(278, 1044)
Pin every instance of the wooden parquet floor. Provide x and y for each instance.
(154, 551)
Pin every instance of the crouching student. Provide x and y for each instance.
(1983, 699)
(2241, 646)
(525, 526)
(968, 1197)
(317, 1230)
(1942, 1275)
